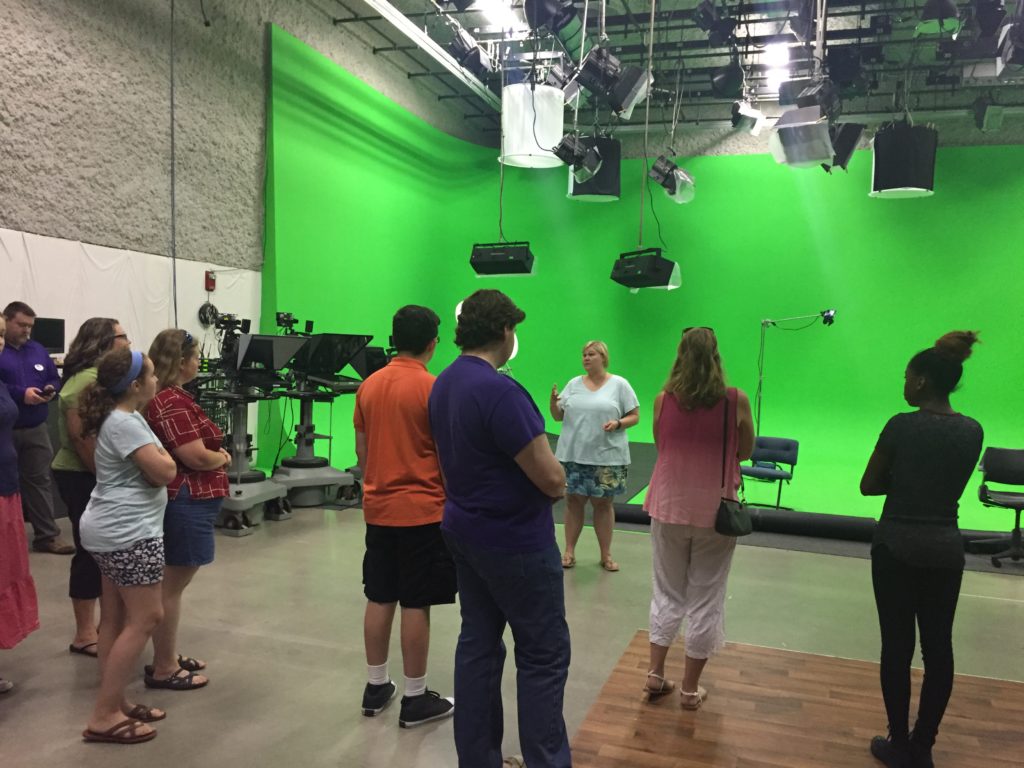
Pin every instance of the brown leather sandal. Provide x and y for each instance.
(125, 732)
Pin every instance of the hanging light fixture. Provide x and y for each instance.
(532, 121)
(678, 184)
(904, 161)
(605, 185)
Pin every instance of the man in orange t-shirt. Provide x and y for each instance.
(406, 561)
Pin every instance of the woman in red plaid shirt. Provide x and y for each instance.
(194, 498)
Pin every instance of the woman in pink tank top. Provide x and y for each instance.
(693, 415)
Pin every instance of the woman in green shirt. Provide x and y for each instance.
(74, 467)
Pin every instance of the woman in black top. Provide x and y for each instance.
(921, 464)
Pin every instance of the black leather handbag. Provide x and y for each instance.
(733, 517)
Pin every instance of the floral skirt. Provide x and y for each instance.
(137, 565)
(19, 612)
(596, 481)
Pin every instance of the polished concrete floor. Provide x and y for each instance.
(278, 617)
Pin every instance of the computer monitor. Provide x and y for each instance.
(49, 331)
(328, 353)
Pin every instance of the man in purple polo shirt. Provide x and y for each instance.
(32, 379)
(501, 478)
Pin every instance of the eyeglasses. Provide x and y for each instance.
(697, 327)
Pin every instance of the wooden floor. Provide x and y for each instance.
(769, 707)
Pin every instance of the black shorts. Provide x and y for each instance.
(410, 566)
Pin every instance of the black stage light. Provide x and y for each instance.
(605, 186)
(845, 69)
(790, 90)
(904, 161)
(645, 269)
(825, 95)
(988, 116)
(845, 138)
(727, 81)
(989, 15)
(564, 79)
(469, 54)
(719, 30)
(828, 316)
(561, 19)
(622, 88)
(802, 24)
(502, 258)
(585, 161)
(678, 183)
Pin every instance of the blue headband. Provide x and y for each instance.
(133, 373)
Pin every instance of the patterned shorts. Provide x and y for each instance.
(591, 480)
(139, 565)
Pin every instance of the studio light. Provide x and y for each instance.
(727, 81)
(563, 78)
(469, 54)
(800, 138)
(989, 15)
(746, 118)
(502, 259)
(584, 162)
(790, 90)
(823, 94)
(532, 120)
(802, 24)
(775, 58)
(646, 269)
(938, 17)
(560, 18)
(1011, 48)
(622, 88)
(461, 5)
(678, 183)
(828, 316)
(846, 70)
(904, 161)
(605, 186)
(845, 138)
(719, 30)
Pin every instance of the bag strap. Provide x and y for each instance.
(725, 433)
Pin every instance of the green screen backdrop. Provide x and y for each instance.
(369, 208)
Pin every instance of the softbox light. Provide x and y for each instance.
(604, 187)
(532, 118)
(904, 161)
(800, 138)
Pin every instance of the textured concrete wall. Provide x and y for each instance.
(85, 139)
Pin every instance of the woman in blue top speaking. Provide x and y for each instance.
(596, 410)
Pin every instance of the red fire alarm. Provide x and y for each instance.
(211, 281)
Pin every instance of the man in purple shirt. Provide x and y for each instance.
(500, 480)
(32, 380)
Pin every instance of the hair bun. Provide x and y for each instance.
(957, 344)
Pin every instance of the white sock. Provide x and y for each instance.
(415, 686)
(377, 675)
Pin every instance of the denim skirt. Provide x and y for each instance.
(188, 529)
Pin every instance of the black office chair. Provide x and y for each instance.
(768, 453)
(1004, 466)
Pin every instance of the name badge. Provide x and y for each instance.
(39, 367)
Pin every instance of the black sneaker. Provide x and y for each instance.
(377, 697)
(425, 708)
(894, 754)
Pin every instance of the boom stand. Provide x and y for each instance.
(827, 316)
(251, 496)
(310, 479)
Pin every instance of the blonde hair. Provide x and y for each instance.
(697, 379)
(169, 349)
(600, 347)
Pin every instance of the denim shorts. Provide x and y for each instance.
(592, 480)
(188, 529)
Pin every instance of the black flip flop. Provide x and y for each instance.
(175, 682)
(84, 649)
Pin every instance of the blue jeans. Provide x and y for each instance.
(525, 591)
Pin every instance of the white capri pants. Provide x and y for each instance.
(691, 569)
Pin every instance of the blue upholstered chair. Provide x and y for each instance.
(1006, 467)
(769, 453)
